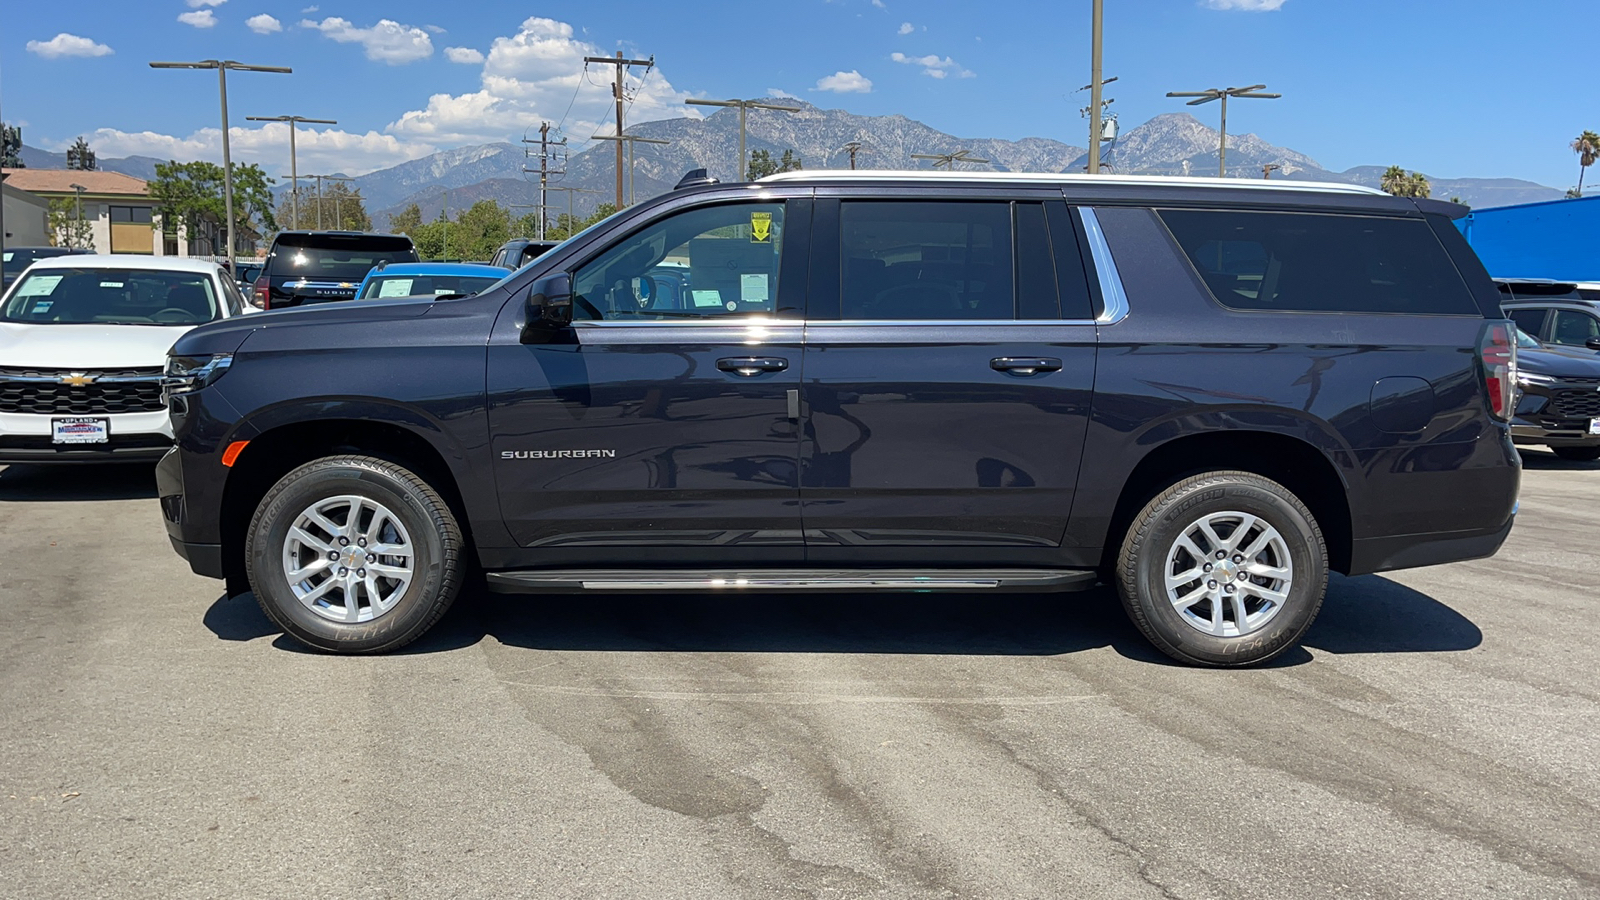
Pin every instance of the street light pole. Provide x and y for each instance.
(949, 160)
(630, 140)
(294, 172)
(222, 66)
(77, 197)
(1253, 92)
(742, 105)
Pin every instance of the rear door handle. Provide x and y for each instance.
(1025, 365)
(752, 365)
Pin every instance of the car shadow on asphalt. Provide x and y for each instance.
(1544, 461)
(77, 482)
(1369, 614)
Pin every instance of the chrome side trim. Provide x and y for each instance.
(1067, 179)
(1105, 268)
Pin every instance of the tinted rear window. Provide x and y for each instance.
(1309, 262)
(312, 255)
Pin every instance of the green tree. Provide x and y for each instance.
(1587, 146)
(480, 229)
(11, 146)
(191, 194)
(762, 164)
(338, 209)
(1400, 183)
(406, 220)
(80, 157)
(789, 162)
(67, 227)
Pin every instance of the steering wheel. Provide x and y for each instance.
(175, 315)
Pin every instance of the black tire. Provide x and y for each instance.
(436, 542)
(1577, 454)
(1142, 562)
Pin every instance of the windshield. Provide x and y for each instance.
(424, 285)
(14, 261)
(111, 297)
(1527, 341)
(340, 257)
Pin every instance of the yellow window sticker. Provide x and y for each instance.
(761, 228)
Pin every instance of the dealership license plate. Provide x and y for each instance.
(1594, 426)
(80, 430)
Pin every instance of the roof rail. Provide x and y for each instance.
(1065, 178)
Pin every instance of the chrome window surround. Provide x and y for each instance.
(1105, 269)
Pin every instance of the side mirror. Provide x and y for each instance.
(1592, 343)
(549, 308)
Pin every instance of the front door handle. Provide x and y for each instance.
(1025, 365)
(752, 365)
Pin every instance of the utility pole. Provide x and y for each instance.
(444, 216)
(294, 170)
(630, 140)
(572, 220)
(1097, 24)
(222, 66)
(1268, 169)
(949, 160)
(616, 91)
(545, 143)
(741, 105)
(853, 148)
(1250, 93)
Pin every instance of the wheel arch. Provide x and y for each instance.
(278, 450)
(1291, 461)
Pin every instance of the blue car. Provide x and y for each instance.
(424, 279)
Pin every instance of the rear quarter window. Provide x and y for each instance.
(1313, 262)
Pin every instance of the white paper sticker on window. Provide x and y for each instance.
(753, 288)
(111, 284)
(39, 286)
(395, 287)
(6, 257)
(707, 298)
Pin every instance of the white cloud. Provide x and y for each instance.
(1246, 5)
(65, 44)
(317, 151)
(199, 18)
(310, 9)
(464, 55)
(851, 82)
(877, 3)
(388, 41)
(780, 92)
(196, 4)
(933, 65)
(263, 24)
(534, 75)
(906, 28)
(434, 29)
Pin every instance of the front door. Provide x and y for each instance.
(948, 392)
(665, 416)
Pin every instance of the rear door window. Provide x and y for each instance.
(336, 257)
(1311, 262)
(1573, 329)
(926, 260)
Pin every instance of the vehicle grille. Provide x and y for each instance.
(41, 392)
(1577, 404)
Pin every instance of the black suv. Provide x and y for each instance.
(322, 266)
(518, 252)
(1558, 399)
(1560, 313)
(1206, 394)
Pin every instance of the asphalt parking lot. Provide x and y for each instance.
(1438, 736)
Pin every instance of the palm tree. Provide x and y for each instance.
(1587, 146)
(1394, 181)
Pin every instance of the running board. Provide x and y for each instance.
(540, 581)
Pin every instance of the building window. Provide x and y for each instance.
(130, 229)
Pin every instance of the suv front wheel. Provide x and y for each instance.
(1223, 569)
(353, 554)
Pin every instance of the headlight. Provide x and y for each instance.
(191, 373)
(1531, 379)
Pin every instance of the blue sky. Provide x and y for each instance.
(1444, 87)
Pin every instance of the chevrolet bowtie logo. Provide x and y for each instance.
(77, 379)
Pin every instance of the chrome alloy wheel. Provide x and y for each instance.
(348, 559)
(1228, 574)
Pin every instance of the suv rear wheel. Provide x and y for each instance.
(353, 554)
(1223, 569)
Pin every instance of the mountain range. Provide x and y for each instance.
(1169, 144)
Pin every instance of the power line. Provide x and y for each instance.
(621, 64)
(545, 143)
(630, 140)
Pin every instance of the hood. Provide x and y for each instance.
(1558, 361)
(227, 335)
(86, 346)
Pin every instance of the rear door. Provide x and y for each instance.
(949, 364)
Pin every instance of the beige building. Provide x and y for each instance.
(122, 217)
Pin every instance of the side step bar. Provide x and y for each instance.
(540, 581)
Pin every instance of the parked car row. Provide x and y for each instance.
(1558, 372)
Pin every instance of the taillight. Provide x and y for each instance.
(261, 293)
(1497, 351)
